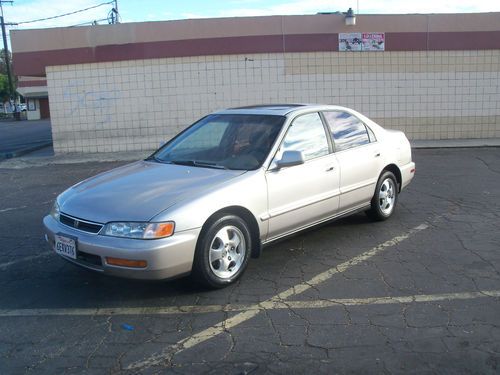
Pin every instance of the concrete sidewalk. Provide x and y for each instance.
(72, 158)
(19, 138)
(452, 143)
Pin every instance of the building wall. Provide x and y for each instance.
(135, 104)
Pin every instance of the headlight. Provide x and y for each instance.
(54, 212)
(139, 230)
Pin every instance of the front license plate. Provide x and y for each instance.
(65, 246)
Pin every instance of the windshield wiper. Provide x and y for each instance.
(153, 158)
(183, 162)
(196, 163)
(210, 165)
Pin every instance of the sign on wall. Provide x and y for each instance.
(373, 42)
(361, 41)
(31, 105)
(350, 41)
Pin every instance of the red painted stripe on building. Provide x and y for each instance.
(311, 43)
(32, 83)
(34, 63)
(452, 41)
(406, 41)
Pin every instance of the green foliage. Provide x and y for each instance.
(4, 83)
(4, 87)
(3, 66)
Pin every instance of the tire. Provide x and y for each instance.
(222, 252)
(385, 198)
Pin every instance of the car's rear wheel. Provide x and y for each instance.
(222, 252)
(385, 198)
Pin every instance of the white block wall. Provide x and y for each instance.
(133, 105)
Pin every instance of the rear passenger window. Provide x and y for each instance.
(347, 130)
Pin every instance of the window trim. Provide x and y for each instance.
(370, 131)
(329, 136)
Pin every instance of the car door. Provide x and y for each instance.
(303, 194)
(359, 157)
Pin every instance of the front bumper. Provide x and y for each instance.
(166, 258)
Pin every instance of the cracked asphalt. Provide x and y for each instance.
(395, 299)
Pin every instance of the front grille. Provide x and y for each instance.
(83, 225)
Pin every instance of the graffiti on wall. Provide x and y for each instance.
(100, 103)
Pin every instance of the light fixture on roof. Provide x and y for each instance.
(350, 17)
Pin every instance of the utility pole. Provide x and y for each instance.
(113, 14)
(6, 52)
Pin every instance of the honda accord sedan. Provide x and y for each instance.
(215, 194)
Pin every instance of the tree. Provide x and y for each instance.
(4, 88)
(4, 82)
(3, 66)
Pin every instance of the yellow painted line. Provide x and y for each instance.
(12, 209)
(4, 266)
(203, 309)
(167, 353)
(322, 277)
(169, 310)
(391, 300)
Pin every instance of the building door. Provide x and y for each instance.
(44, 108)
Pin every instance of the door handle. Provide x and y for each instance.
(330, 169)
(377, 154)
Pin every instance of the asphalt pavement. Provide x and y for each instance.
(419, 293)
(19, 138)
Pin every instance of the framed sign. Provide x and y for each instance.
(357, 42)
(350, 42)
(31, 105)
(373, 41)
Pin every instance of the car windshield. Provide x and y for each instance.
(226, 141)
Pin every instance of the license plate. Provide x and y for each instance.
(65, 246)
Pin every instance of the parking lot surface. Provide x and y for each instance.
(22, 137)
(417, 293)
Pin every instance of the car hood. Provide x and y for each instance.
(138, 191)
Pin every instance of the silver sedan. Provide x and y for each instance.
(238, 179)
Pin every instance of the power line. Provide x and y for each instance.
(65, 14)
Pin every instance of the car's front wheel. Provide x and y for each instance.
(222, 252)
(385, 198)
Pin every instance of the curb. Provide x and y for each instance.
(24, 151)
(456, 143)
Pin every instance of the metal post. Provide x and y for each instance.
(116, 8)
(7, 62)
(6, 52)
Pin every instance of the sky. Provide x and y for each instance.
(157, 10)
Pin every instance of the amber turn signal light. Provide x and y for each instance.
(126, 262)
(159, 230)
(164, 229)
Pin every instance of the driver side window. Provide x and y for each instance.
(306, 134)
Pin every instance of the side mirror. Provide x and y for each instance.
(290, 158)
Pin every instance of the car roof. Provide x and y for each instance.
(277, 109)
